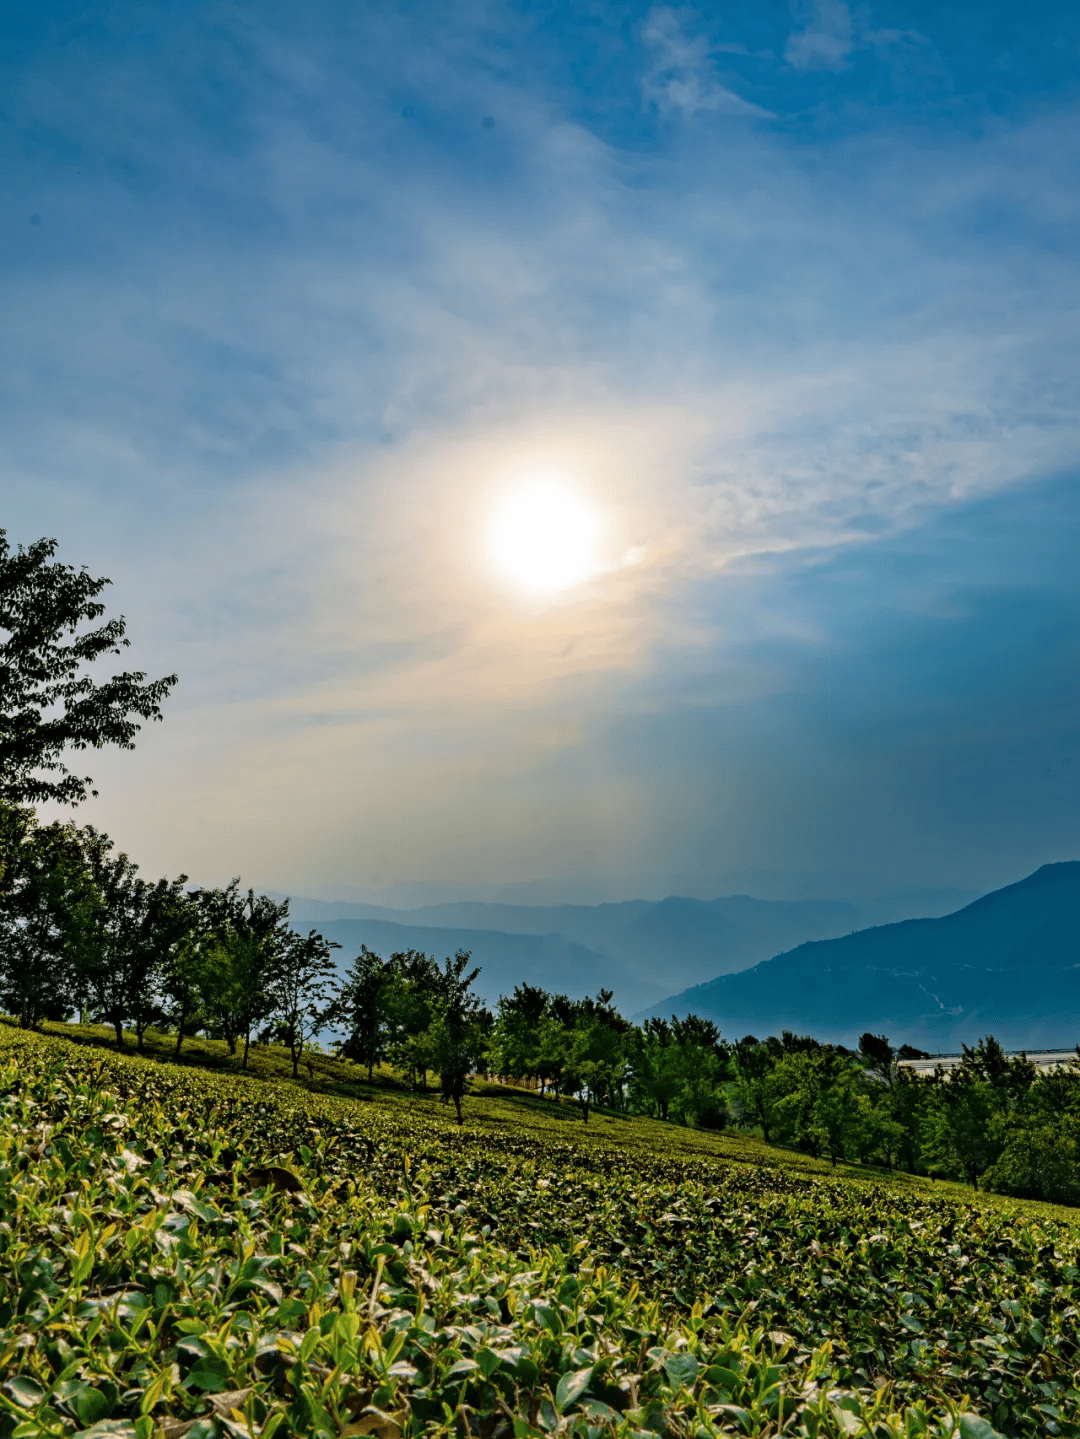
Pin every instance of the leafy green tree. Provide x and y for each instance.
(754, 1086)
(1039, 1159)
(125, 936)
(246, 937)
(910, 1099)
(301, 990)
(958, 1138)
(879, 1059)
(458, 1032)
(655, 1066)
(49, 704)
(44, 891)
(359, 1011)
(679, 1067)
(516, 1042)
(186, 976)
(409, 1002)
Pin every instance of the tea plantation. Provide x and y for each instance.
(187, 1253)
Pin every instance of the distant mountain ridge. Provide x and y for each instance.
(1007, 964)
(640, 949)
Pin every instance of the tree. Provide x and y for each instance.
(879, 1057)
(187, 976)
(655, 1066)
(43, 892)
(126, 934)
(301, 988)
(594, 1065)
(754, 1065)
(246, 937)
(48, 704)
(359, 1010)
(410, 1001)
(515, 1045)
(458, 1031)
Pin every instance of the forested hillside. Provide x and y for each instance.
(1008, 964)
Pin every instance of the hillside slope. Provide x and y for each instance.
(1008, 964)
(217, 1255)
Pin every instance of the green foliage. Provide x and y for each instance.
(125, 933)
(247, 938)
(48, 703)
(44, 892)
(301, 983)
(179, 1247)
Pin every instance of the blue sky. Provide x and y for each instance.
(785, 296)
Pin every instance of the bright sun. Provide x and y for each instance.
(544, 539)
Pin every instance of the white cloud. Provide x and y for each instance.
(826, 38)
(682, 76)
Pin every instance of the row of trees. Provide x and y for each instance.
(81, 930)
(992, 1120)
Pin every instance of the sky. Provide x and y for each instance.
(611, 448)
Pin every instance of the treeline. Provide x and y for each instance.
(993, 1120)
(82, 932)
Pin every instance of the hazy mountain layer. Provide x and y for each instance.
(1009, 964)
(641, 949)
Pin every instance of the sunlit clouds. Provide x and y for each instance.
(511, 430)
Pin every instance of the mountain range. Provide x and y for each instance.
(640, 949)
(1007, 964)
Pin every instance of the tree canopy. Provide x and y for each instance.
(49, 704)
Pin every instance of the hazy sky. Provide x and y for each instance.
(607, 444)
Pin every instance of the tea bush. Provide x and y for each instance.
(183, 1253)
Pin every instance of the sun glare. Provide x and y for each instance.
(544, 539)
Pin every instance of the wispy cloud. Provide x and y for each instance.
(829, 35)
(682, 75)
(826, 36)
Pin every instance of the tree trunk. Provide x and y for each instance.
(119, 1034)
(247, 1046)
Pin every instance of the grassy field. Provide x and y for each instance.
(189, 1250)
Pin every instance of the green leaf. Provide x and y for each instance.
(571, 1387)
(682, 1369)
(973, 1426)
(25, 1392)
(211, 1376)
(92, 1405)
(528, 1371)
(488, 1361)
